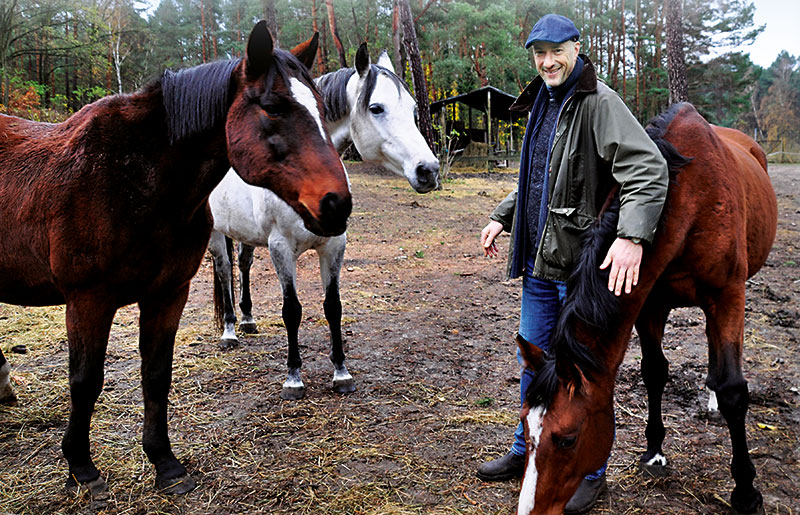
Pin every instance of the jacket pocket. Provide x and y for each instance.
(563, 233)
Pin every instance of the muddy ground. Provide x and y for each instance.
(429, 324)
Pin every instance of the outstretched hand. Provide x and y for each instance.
(625, 258)
(488, 235)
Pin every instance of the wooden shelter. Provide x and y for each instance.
(476, 137)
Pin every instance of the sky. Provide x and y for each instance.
(782, 30)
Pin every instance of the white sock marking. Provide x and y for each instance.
(712, 401)
(658, 459)
(527, 495)
(305, 96)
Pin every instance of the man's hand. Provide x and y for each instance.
(488, 234)
(625, 257)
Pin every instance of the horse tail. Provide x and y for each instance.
(219, 304)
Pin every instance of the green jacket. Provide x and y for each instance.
(598, 143)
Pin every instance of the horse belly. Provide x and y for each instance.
(234, 210)
(21, 288)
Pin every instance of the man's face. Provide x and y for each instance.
(555, 61)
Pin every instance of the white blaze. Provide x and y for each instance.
(306, 98)
(527, 495)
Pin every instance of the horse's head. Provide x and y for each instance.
(276, 138)
(569, 430)
(382, 122)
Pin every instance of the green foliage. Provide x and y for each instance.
(76, 50)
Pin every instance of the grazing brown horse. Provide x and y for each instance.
(110, 208)
(715, 232)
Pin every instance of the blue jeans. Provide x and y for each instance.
(541, 303)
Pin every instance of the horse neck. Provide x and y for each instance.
(187, 170)
(610, 346)
(340, 133)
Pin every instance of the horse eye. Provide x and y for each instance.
(271, 111)
(567, 442)
(376, 109)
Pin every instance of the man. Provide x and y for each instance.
(581, 140)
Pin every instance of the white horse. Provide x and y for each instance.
(368, 105)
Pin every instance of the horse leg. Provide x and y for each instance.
(285, 263)
(248, 324)
(6, 392)
(330, 266)
(158, 324)
(88, 320)
(725, 331)
(223, 290)
(655, 372)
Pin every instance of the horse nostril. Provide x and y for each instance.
(335, 209)
(427, 174)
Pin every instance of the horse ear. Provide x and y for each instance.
(259, 50)
(385, 61)
(306, 51)
(531, 354)
(362, 60)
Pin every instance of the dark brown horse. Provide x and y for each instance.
(110, 208)
(716, 230)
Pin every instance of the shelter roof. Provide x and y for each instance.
(478, 99)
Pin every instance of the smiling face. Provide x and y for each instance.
(555, 61)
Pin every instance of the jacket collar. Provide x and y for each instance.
(587, 83)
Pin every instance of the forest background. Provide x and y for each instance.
(57, 55)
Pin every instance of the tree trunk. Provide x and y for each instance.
(397, 57)
(676, 61)
(271, 17)
(203, 27)
(417, 72)
(335, 34)
(322, 53)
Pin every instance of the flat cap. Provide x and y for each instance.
(553, 28)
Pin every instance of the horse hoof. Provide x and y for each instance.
(750, 503)
(97, 488)
(228, 344)
(8, 398)
(180, 485)
(655, 465)
(344, 386)
(293, 393)
(248, 327)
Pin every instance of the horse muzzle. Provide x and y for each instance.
(330, 219)
(426, 177)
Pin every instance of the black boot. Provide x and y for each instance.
(509, 466)
(586, 496)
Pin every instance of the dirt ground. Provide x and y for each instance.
(429, 324)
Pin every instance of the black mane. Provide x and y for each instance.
(588, 299)
(196, 98)
(657, 129)
(333, 87)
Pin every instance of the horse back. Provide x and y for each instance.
(760, 202)
(721, 214)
